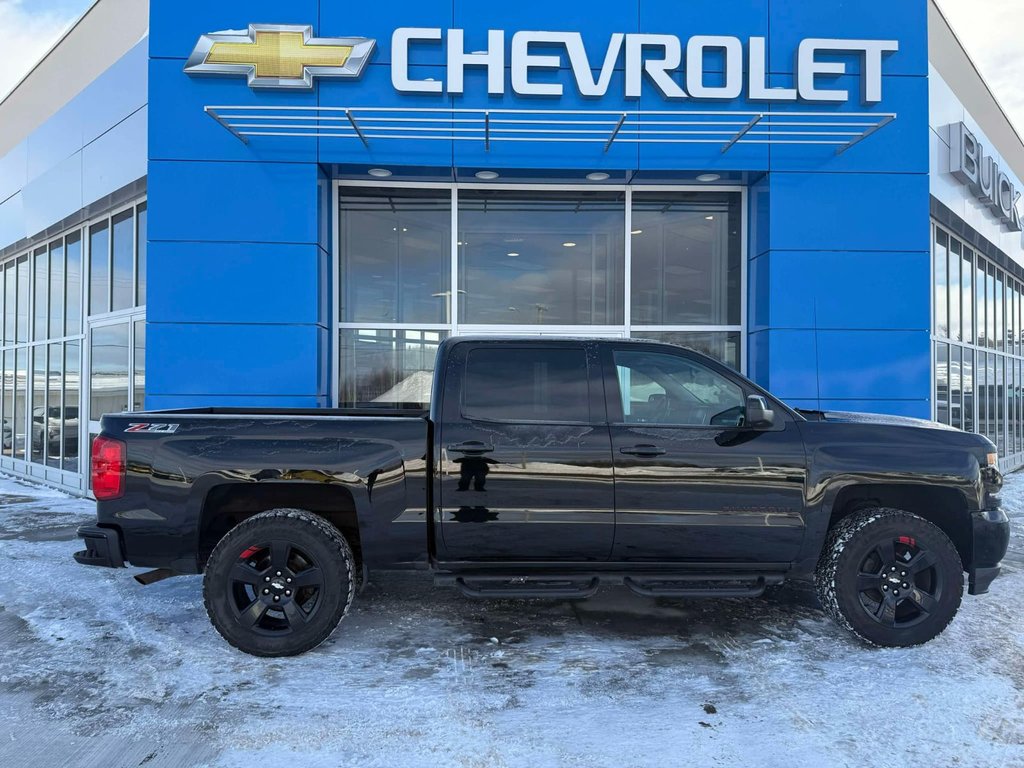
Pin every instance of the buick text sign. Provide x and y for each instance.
(983, 176)
(653, 59)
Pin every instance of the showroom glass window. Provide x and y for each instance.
(52, 294)
(395, 248)
(977, 345)
(419, 263)
(541, 258)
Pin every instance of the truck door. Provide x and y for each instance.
(690, 483)
(523, 453)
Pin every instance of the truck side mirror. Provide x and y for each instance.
(759, 415)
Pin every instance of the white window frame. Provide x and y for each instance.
(455, 328)
(72, 479)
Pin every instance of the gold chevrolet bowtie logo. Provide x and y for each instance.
(279, 56)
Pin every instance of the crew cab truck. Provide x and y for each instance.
(548, 467)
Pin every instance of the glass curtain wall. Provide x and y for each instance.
(977, 337)
(420, 264)
(45, 294)
(117, 333)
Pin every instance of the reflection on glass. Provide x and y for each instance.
(967, 290)
(941, 283)
(8, 404)
(955, 388)
(979, 302)
(527, 384)
(981, 393)
(955, 331)
(141, 248)
(139, 397)
(387, 368)
(56, 324)
(109, 370)
(990, 307)
(38, 416)
(123, 260)
(990, 380)
(1000, 406)
(1018, 383)
(54, 408)
(942, 383)
(99, 269)
(687, 258)
(395, 256)
(1000, 332)
(24, 288)
(74, 284)
(72, 386)
(10, 302)
(967, 377)
(20, 401)
(541, 258)
(41, 267)
(723, 346)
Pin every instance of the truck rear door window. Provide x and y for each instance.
(526, 384)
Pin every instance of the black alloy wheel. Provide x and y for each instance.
(279, 583)
(899, 584)
(889, 576)
(275, 587)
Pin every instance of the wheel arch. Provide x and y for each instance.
(225, 505)
(945, 507)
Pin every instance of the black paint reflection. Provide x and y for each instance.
(473, 471)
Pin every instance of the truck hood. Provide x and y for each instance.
(873, 418)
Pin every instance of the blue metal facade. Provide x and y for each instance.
(240, 254)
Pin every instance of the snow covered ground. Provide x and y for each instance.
(98, 671)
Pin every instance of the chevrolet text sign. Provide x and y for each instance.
(654, 59)
(284, 56)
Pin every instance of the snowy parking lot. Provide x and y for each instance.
(99, 671)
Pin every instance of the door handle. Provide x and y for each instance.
(471, 447)
(643, 450)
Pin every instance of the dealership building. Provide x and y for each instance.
(270, 204)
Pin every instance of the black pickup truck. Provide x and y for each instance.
(548, 467)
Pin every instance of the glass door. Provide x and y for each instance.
(117, 368)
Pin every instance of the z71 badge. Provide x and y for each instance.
(165, 429)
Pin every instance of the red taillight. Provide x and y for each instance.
(108, 468)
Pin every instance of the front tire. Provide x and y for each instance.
(279, 583)
(890, 577)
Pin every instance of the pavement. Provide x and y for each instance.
(97, 670)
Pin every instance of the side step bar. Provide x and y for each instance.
(490, 585)
(698, 586)
(580, 585)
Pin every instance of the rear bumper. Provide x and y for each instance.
(991, 529)
(102, 547)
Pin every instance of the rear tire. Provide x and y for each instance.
(279, 583)
(890, 577)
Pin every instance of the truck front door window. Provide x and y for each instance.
(657, 388)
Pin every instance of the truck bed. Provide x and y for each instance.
(193, 471)
(411, 410)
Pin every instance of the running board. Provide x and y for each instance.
(701, 586)
(489, 585)
(578, 585)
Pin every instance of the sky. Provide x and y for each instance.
(28, 28)
(989, 29)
